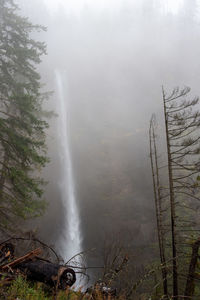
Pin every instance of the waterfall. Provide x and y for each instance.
(70, 240)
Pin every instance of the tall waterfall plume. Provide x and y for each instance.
(70, 240)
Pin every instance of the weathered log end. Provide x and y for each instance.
(49, 273)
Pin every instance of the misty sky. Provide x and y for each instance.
(75, 6)
(116, 55)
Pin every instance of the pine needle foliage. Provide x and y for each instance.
(22, 127)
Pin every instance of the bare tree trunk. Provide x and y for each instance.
(172, 203)
(190, 286)
(158, 206)
(160, 216)
(2, 174)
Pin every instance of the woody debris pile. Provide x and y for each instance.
(33, 267)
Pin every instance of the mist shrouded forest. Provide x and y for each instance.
(110, 65)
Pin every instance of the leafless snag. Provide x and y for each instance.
(182, 123)
(190, 284)
(158, 201)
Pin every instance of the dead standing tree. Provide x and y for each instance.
(158, 201)
(183, 148)
(190, 284)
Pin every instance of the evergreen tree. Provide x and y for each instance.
(22, 128)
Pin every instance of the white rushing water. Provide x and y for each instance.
(70, 240)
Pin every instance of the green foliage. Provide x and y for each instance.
(21, 289)
(22, 127)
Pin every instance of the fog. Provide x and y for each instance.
(116, 56)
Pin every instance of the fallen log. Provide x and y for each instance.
(35, 268)
(52, 274)
(19, 260)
